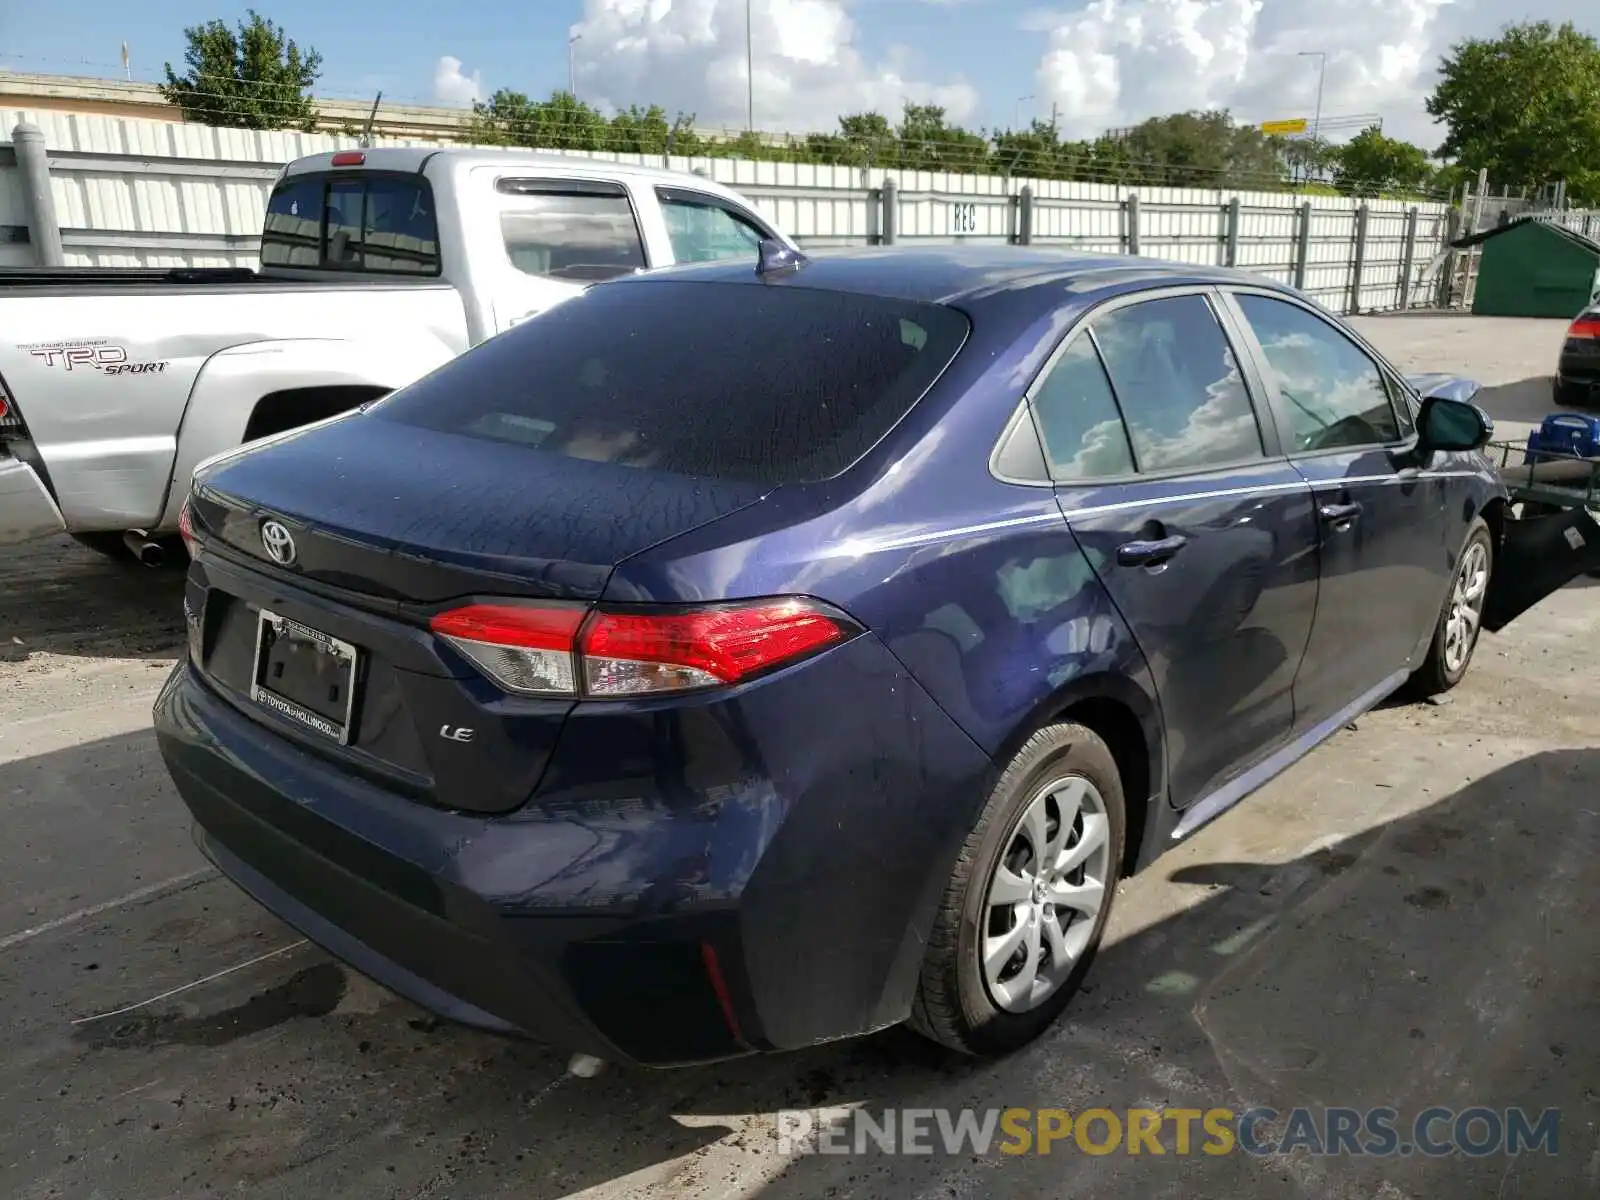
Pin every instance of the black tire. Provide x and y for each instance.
(953, 1004)
(1434, 676)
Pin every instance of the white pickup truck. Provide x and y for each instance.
(376, 267)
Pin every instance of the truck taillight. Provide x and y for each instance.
(11, 423)
(1586, 326)
(567, 650)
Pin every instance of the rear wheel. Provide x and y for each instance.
(1027, 904)
(1455, 638)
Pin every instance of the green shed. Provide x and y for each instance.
(1532, 268)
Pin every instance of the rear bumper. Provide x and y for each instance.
(26, 509)
(684, 912)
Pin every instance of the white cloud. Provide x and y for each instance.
(689, 55)
(1112, 63)
(450, 86)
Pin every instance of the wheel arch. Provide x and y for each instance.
(1128, 720)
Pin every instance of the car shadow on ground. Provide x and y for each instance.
(1527, 400)
(57, 597)
(1449, 957)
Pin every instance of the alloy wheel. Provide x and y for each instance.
(1045, 894)
(1466, 607)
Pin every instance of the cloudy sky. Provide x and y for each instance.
(1103, 63)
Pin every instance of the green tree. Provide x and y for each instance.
(1525, 106)
(928, 143)
(252, 78)
(562, 122)
(1370, 164)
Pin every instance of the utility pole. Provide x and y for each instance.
(572, 70)
(1054, 109)
(749, 72)
(1322, 73)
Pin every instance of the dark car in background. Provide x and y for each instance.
(1577, 381)
(735, 660)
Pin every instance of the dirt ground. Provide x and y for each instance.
(1407, 918)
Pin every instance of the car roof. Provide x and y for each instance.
(966, 275)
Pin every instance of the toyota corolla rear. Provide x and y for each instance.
(417, 721)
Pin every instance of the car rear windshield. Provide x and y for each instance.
(741, 381)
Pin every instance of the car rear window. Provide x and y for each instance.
(769, 384)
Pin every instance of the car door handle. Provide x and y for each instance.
(1340, 516)
(1151, 553)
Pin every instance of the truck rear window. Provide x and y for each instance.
(766, 384)
(368, 222)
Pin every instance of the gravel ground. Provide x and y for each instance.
(1406, 918)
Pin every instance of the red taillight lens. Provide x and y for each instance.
(349, 158)
(630, 653)
(1585, 327)
(10, 416)
(551, 650)
(526, 649)
(186, 529)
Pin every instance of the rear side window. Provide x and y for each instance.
(737, 381)
(1179, 385)
(1078, 420)
(701, 230)
(380, 224)
(569, 229)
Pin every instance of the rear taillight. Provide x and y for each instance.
(186, 529)
(11, 425)
(566, 650)
(1585, 326)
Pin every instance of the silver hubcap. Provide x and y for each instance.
(1046, 894)
(1466, 607)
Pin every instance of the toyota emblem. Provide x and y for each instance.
(279, 543)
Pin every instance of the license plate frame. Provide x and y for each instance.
(338, 729)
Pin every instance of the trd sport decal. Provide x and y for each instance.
(91, 355)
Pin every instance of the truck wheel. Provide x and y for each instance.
(1027, 903)
(1455, 637)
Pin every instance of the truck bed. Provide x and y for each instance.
(56, 280)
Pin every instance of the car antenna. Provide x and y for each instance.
(778, 259)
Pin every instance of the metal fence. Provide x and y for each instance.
(150, 193)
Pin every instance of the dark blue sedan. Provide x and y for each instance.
(731, 660)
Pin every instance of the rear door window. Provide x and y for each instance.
(570, 229)
(703, 230)
(1179, 385)
(738, 381)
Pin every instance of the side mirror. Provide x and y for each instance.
(1451, 426)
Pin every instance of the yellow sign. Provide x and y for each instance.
(1297, 125)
